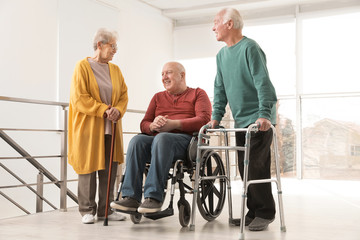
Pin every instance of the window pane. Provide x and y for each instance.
(330, 54)
(331, 136)
(286, 137)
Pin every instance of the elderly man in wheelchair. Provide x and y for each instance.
(171, 119)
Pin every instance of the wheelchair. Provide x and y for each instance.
(210, 194)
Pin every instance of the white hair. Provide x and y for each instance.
(234, 15)
(104, 36)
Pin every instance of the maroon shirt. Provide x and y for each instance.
(192, 108)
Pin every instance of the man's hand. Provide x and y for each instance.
(264, 123)
(163, 124)
(158, 122)
(213, 123)
(170, 125)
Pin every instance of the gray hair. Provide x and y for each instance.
(234, 15)
(104, 36)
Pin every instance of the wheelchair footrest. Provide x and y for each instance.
(157, 215)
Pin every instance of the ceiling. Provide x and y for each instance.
(190, 12)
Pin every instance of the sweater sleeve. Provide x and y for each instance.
(149, 117)
(202, 113)
(265, 89)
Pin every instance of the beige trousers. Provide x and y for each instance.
(88, 183)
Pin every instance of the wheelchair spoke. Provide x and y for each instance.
(211, 196)
(208, 188)
(216, 192)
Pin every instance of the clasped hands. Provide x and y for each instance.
(112, 114)
(162, 124)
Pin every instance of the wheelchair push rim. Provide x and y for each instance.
(212, 192)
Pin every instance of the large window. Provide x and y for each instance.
(327, 98)
(331, 54)
(331, 126)
(329, 137)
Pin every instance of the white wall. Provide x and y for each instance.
(28, 52)
(195, 42)
(145, 43)
(41, 42)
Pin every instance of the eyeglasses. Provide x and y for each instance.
(113, 46)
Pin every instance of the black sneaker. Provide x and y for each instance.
(125, 204)
(259, 224)
(150, 205)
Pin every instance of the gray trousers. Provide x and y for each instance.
(88, 183)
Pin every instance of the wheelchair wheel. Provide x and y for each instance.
(211, 195)
(184, 213)
(135, 218)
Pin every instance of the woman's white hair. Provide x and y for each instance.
(104, 36)
(234, 15)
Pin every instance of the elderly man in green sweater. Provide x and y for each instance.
(242, 80)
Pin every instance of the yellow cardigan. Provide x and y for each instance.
(86, 138)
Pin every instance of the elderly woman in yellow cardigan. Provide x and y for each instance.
(98, 96)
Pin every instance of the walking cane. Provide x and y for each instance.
(109, 177)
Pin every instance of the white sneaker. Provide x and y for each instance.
(88, 219)
(115, 216)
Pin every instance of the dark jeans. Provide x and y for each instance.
(260, 200)
(161, 150)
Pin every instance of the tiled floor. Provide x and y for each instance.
(313, 210)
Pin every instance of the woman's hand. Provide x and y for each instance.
(112, 114)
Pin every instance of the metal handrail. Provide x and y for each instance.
(31, 130)
(25, 157)
(62, 104)
(62, 183)
(33, 101)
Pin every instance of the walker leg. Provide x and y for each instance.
(278, 182)
(196, 189)
(228, 182)
(242, 220)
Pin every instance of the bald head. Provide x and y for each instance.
(175, 65)
(173, 77)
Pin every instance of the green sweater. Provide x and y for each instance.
(242, 79)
